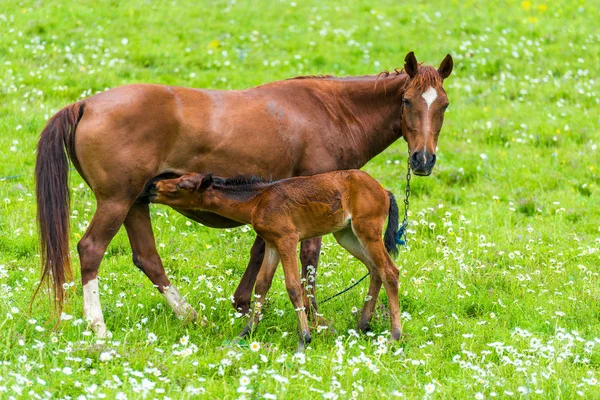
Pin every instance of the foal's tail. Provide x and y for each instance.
(391, 231)
(52, 193)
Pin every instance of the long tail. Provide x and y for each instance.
(389, 237)
(53, 200)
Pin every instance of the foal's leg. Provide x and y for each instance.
(375, 250)
(348, 240)
(107, 219)
(263, 284)
(309, 258)
(243, 293)
(146, 258)
(289, 259)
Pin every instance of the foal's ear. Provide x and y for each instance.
(186, 184)
(411, 67)
(446, 66)
(207, 180)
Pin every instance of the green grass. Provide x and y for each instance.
(500, 287)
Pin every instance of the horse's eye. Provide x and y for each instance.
(445, 107)
(406, 102)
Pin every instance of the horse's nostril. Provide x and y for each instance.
(433, 159)
(416, 156)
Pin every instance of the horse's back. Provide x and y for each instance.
(124, 132)
(131, 134)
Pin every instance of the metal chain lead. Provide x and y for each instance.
(401, 236)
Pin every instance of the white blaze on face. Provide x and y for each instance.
(91, 307)
(429, 95)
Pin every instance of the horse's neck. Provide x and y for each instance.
(232, 202)
(369, 111)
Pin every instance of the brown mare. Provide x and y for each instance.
(350, 204)
(120, 139)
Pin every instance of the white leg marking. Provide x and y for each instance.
(179, 304)
(429, 95)
(92, 311)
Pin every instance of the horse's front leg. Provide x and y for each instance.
(243, 293)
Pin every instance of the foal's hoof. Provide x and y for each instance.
(300, 349)
(397, 335)
(305, 339)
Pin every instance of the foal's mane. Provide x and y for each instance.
(241, 181)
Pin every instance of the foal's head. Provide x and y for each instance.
(182, 192)
(423, 105)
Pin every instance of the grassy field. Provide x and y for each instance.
(500, 287)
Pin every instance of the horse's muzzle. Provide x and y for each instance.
(422, 163)
(149, 194)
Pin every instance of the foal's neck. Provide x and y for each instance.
(233, 202)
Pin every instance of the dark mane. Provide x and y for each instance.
(241, 181)
(320, 76)
(384, 74)
(427, 76)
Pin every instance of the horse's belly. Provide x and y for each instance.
(209, 219)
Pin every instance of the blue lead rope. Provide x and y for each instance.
(401, 235)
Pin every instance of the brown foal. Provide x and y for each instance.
(350, 204)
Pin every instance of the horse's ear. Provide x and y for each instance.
(411, 67)
(446, 66)
(207, 180)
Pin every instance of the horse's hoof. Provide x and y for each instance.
(188, 314)
(363, 327)
(242, 306)
(100, 330)
(245, 332)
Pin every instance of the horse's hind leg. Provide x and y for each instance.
(348, 240)
(146, 258)
(105, 224)
(263, 284)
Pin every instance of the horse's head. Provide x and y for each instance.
(182, 192)
(423, 104)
